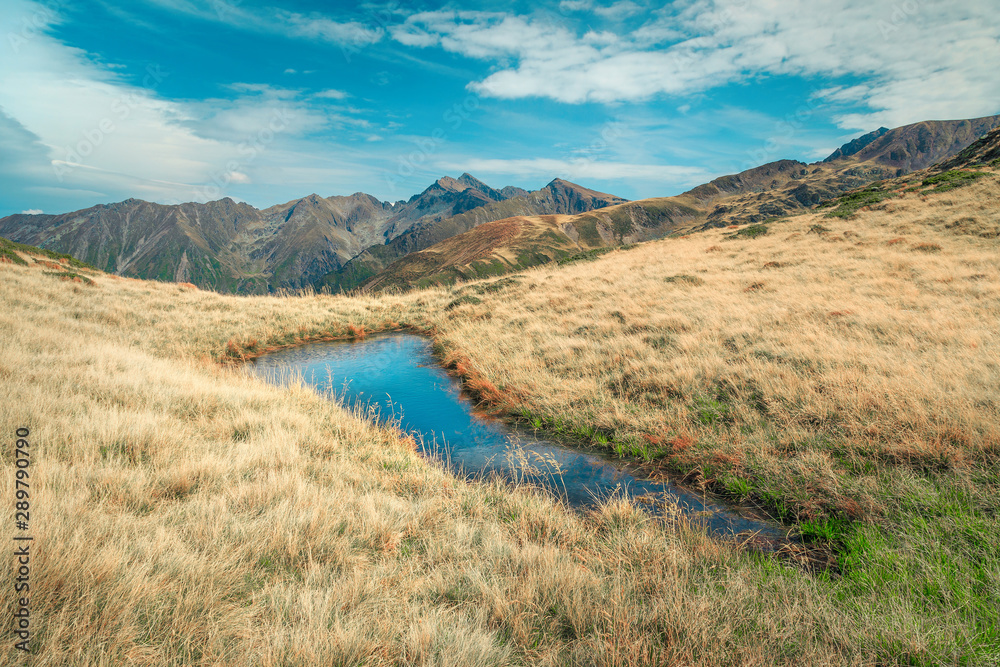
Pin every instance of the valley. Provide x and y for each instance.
(456, 229)
(836, 368)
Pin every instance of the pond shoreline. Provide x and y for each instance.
(764, 536)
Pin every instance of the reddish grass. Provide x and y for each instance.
(681, 443)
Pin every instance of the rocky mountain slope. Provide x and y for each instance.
(787, 186)
(983, 152)
(558, 197)
(341, 243)
(234, 247)
(772, 190)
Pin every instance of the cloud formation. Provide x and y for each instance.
(919, 59)
(581, 168)
(70, 125)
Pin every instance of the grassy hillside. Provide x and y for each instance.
(775, 189)
(841, 368)
(840, 371)
(232, 247)
(558, 197)
(514, 244)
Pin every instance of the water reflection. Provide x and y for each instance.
(397, 378)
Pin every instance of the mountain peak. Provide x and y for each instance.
(562, 185)
(463, 182)
(470, 180)
(856, 145)
(451, 184)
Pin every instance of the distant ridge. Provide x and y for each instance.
(775, 189)
(557, 197)
(348, 242)
(234, 247)
(854, 146)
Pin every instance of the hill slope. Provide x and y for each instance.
(234, 247)
(772, 190)
(839, 372)
(558, 197)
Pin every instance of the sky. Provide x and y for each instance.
(265, 102)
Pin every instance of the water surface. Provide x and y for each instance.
(397, 377)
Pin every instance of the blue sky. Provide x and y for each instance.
(192, 100)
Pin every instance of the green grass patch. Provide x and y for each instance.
(949, 180)
(495, 286)
(593, 253)
(12, 256)
(494, 267)
(709, 411)
(940, 558)
(8, 248)
(468, 299)
(830, 530)
(586, 255)
(684, 279)
(847, 205)
(737, 486)
(750, 232)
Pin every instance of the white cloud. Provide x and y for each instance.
(820, 153)
(619, 10)
(581, 168)
(276, 21)
(920, 59)
(82, 113)
(264, 89)
(844, 94)
(71, 127)
(332, 94)
(477, 34)
(33, 211)
(348, 33)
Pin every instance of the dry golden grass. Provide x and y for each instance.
(786, 355)
(844, 374)
(186, 514)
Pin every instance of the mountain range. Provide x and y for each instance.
(771, 190)
(456, 228)
(233, 247)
